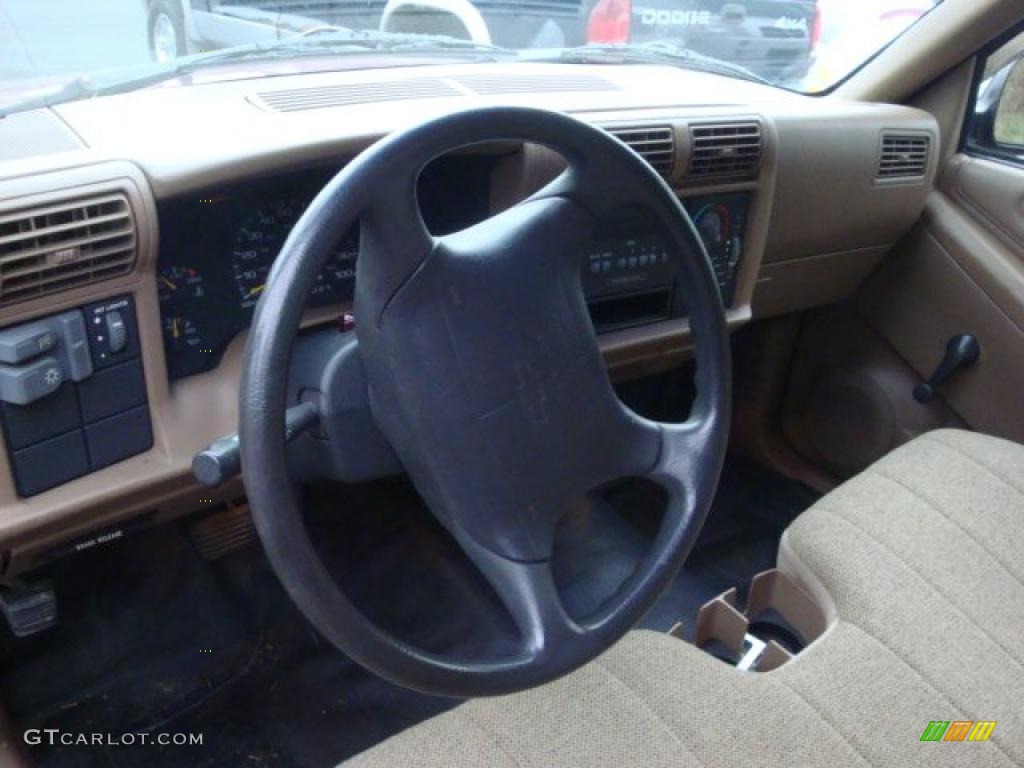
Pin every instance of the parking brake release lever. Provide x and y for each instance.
(222, 459)
(962, 350)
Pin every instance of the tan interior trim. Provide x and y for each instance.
(925, 294)
(986, 239)
(774, 590)
(719, 620)
(789, 563)
(802, 283)
(947, 100)
(821, 239)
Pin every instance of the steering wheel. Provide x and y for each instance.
(485, 376)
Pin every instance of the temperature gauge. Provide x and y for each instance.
(179, 285)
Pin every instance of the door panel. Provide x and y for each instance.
(951, 276)
(962, 269)
(994, 193)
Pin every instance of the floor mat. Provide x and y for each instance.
(153, 639)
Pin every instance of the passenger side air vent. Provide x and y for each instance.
(64, 245)
(903, 156)
(655, 144)
(724, 150)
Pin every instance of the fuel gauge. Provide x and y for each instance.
(182, 298)
(181, 334)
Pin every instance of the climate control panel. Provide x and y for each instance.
(632, 279)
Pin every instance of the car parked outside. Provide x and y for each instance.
(180, 27)
(771, 38)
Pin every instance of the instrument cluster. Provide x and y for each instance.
(217, 248)
(214, 269)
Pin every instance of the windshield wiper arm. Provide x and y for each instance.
(645, 53)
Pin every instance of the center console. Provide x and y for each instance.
(630, 279)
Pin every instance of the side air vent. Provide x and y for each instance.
(655, 144)
(347, 94)
(724, 150)
(64, 245)
(903, 156)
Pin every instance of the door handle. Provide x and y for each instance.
(961, 351)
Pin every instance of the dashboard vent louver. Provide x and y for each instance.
(64, 245)
(348, 94)
(493, 85)
(724, 150)
(655, 144)
(903, 156)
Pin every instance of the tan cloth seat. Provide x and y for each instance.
(921, 562)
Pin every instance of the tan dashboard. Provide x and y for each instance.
(828, 187)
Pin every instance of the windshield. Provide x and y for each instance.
(61, 50)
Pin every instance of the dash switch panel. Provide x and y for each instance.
(73, 394)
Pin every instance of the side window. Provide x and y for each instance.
(1009, 126)
(997, 124)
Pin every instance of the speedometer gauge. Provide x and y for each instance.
(337, 282)
(260, 239)
(257, 244)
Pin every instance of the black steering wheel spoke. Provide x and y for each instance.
(529, 594)
(593, 178)
(393, 240)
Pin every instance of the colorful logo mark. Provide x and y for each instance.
(958, 730)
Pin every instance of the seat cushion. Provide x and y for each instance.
(920, 563)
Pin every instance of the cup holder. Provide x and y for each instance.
(779, 621)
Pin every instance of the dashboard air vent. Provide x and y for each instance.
(492, 85)
(903, 156)
(347, 94)
(724, 150)
(64, 245)
(655, 144)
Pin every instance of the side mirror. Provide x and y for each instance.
(999, 110)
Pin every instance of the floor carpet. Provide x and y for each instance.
(153, 638)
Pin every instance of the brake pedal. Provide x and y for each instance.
(29, 608)
(219, 533)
